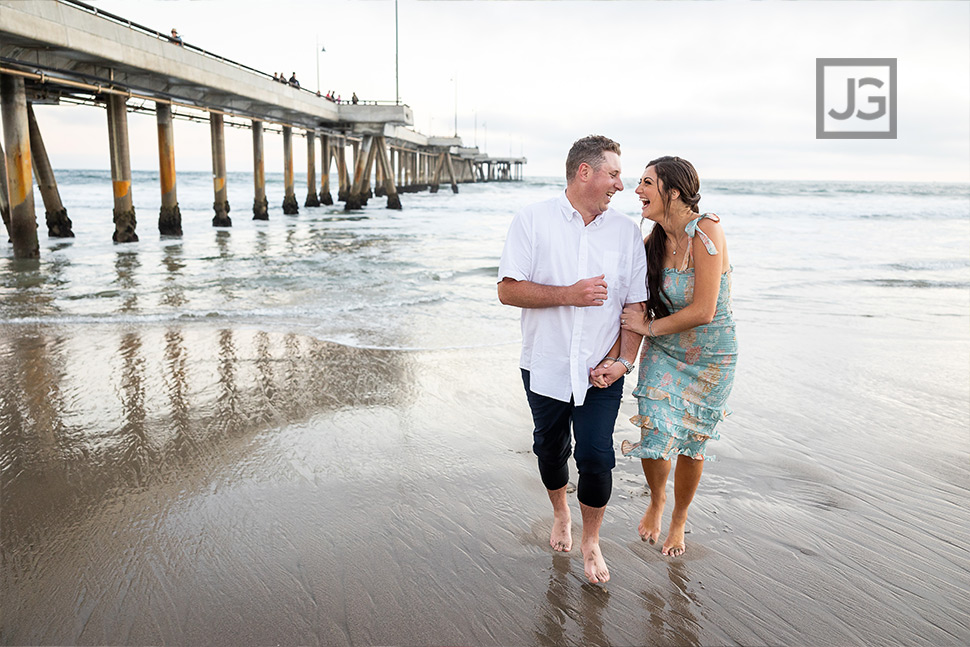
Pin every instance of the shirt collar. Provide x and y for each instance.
(569, 212)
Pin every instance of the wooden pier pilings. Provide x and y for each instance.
(290, 205)
(394, 168)
(16, 139)
(169, 215)
(221, 202)
(260, 203)
(312, 200)
(325, 158)
(124, 207)
(81, 55)
(343, 180)
(4, 198)
(58, 224)
(387, 175)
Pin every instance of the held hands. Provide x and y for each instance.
(606, 373)
(633, 319)
(589, 292)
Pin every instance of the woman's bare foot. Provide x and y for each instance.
(594, 565)
(561, 538)
(650, 524)
(674, 545)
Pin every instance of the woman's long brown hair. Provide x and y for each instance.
(672, 173)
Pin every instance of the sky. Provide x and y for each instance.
(730, 86)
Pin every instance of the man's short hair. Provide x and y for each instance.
(590, 150)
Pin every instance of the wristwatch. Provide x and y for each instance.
(628, 365)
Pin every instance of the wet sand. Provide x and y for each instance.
(193, 485)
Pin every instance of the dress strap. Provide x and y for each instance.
(692, 229)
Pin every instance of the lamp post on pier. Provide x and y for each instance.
(397, 83)
(455, 79)
(319, 49)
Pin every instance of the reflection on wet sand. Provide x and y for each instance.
(127, 264)
(565, 601)
(670, 616)
(176, 383)
(26, 285)
(223, 241)
(84, 422)
(173, 293)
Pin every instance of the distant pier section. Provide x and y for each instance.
(66, 51)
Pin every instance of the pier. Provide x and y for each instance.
(66, 51)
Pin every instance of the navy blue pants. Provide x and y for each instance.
(592, 425)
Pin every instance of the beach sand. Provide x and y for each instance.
(195, 484)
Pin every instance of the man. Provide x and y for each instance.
(572, 263)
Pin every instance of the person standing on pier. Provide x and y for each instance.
(572, 263)
(176, 38)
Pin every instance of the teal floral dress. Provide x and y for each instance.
(685, 378)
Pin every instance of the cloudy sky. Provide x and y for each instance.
(728, 85)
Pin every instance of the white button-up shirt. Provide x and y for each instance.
(548, 243)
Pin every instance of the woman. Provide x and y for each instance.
(689, 350)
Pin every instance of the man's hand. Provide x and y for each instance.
(606, 373)
(589, 292)
(526, 294)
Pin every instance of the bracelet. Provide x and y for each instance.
(650, 328)
(612, 359)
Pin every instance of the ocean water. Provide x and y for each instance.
(423, 277)
(311, 430)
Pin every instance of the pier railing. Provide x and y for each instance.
(120, 20)
(157, 34)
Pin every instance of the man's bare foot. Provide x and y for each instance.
(650, 524)
(594, 565)
(561, 538)
(674, 546)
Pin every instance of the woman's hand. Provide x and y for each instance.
(633, 319)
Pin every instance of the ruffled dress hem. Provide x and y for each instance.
(636, 450)
(689, 439)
